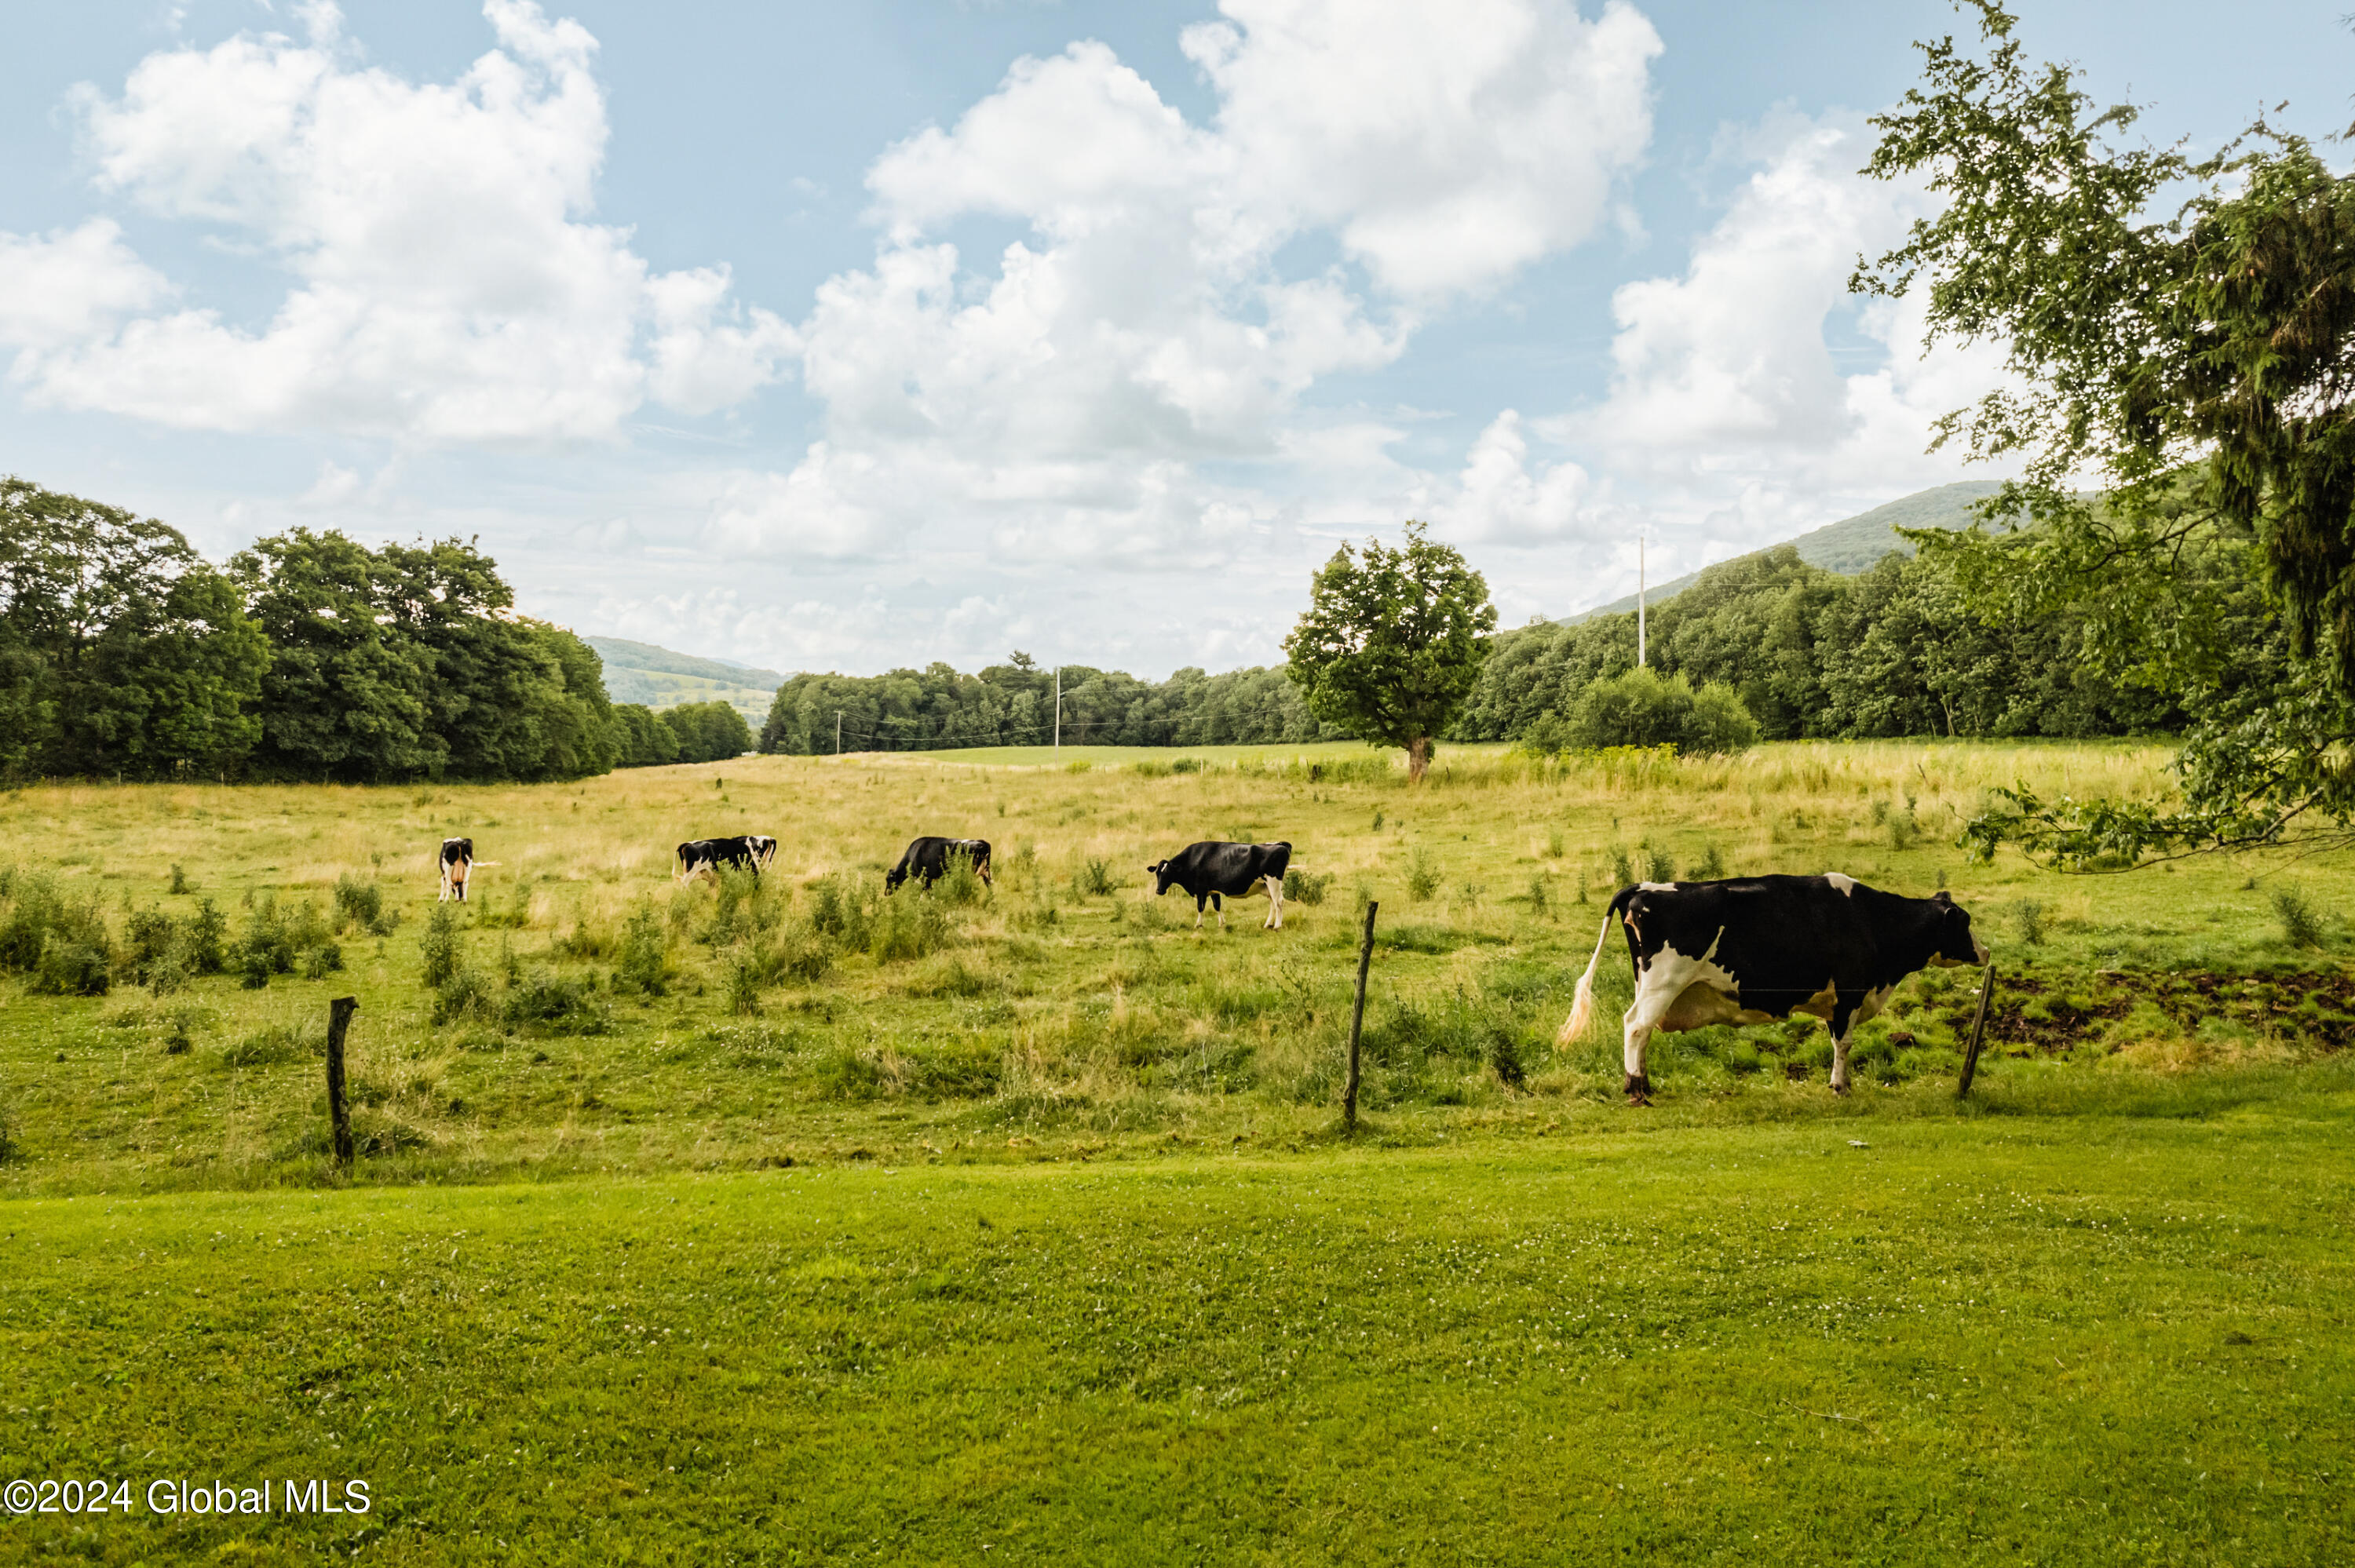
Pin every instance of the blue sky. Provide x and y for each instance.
(827, 337)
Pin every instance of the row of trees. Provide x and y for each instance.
(1013, 703)
(124, 653)
(1810, 654)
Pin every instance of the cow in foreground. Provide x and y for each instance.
(1757, 948)
(457, 865)
(927, 860)
(751, 852)
(1210, 870)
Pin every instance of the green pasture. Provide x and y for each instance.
(2024, 1335)
(792, 1222)
(584, 1014)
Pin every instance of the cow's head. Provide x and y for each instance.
(1956, 946)
(895, 876)
(1161, 872)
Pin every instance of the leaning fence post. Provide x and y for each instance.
(339, 1111)
(1358, 1016)
(1978, 1033)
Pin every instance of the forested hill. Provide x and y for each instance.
(642, 673)
(1850, 546)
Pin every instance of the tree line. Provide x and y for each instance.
(939, 708)
(310, 656)
(1810, 654)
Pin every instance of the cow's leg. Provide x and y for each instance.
(445, 886)
(1275, 904)
(1845, 1017)
(1219, 904)
(1200, 899)
(1656, 989)
(461, 888)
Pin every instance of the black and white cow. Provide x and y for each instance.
(457, 865)
(1211, 869)
(927, 860)
(1756, 948)
(753, 851)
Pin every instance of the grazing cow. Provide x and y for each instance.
(753, 852)
(1210, 869)
(1755, 948)
(927, 860)
(457, 865)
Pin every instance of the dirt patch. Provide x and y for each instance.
(2050, 1014)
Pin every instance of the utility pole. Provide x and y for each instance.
(1058, 712)
(1639, 601)
(837, 732)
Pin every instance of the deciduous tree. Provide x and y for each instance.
(1392, 642)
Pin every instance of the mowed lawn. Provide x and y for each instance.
(1995, 1338)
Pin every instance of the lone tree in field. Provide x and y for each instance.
(1392, 642)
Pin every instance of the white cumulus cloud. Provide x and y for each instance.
(1071, 398)
(447, 285)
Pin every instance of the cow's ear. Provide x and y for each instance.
(1942, 896)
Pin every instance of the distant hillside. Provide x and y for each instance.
(642, 673)
(1853, 544)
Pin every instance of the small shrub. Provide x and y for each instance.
(464, 993)
(1093, 880)
(962, 884)
(149, 934)
(805, 954)
(644, 963)
(1659, 865)
(75, 954)
(269, 1047)
(1305, 887)
(206, 940)
(359, 901)
(180, 883)
(1712, 865)
(324, 960)
(2301, 926)
(744, 987)
(1905, 831)
(2028, 919)
(1422, 876)
(905, 929)
(1539, 894)
(1554, 845)
(272, 940)
(440, 946)
(1622, 870)
(563, 1005)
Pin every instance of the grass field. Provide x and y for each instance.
(800, 1224)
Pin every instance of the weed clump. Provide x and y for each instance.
(362, 903)
(1093, 880)
(440, 947)
(2028, 919)
(2301, 924)
(643, 965)
(1305, 886)
(560, 1004)
(1422, 876)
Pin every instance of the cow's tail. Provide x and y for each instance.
(1581, 1006)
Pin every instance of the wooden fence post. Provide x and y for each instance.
(339, 1110)
(1978, 1033)
(1357, 1018)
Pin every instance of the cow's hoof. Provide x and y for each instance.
(1839, 1088)
(1639, 1089)
(1639, 1099)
